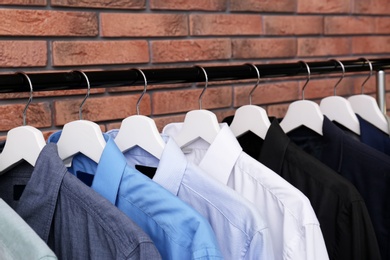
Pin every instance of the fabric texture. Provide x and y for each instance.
(178, 231)
(17, 240)
(340, 209)
(293, 225)
(75, 221)
(240, 230)
(365, 167)
(372, 136)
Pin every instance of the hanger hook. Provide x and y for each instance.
(369, 75)
(308, 77)
(205, 86)
(257, 83)
(143, 92)
(342, 76)
(30, 98)
(87, 95)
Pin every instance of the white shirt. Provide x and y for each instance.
(240, 230)
(293, 225)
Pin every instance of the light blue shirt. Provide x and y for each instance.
(240, 230)
(177, 230)
(18, 240)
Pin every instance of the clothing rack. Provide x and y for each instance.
(46, 81)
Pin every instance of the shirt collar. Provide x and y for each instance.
(107, 174)
(368, 130)
(274, 147)
(333, 139)
(220, 156)
(137, 155)
(42, 191)
(172, 166)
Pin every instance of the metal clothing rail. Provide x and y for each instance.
(116, 78)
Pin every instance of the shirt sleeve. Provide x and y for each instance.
(309, 245)
(260, 246)
(357, 238)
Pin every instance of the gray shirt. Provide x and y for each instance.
(75, 221)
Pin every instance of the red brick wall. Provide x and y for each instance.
(41, 35)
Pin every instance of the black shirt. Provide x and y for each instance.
(365, 167)
(341, 211)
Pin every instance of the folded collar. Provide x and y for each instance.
(333, 144)
(274, 147)
(220, 156)
(107, 173)
(172, 166)
(42, 191)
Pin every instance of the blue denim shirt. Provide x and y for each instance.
(75, 221)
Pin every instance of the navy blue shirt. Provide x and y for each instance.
(367, 168)
(372, 136)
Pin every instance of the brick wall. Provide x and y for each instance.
(43, 35)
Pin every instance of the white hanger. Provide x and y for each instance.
(339, 109)
(367, 107)
(198, 123)
(23, 142)
(303, 112)
(140, 131)
(81, 136)
(251, 118)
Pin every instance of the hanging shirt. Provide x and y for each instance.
(293, 225)
(149, 205)
(240, 230)
(75, 221)
(340, 209)
(372, 136)
(365, 167)
(17, 240)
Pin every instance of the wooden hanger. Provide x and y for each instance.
(367, 107)
(198, 123)
(339, 109)
(81, 136)
(140, 131)
(23, 142)
(303, 112)
(249, 117)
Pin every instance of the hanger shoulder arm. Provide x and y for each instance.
(81, 136)
(250, 118)
(22, 143)
(140, 131)
(339, 109)
(303, 113)
(198, 124)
